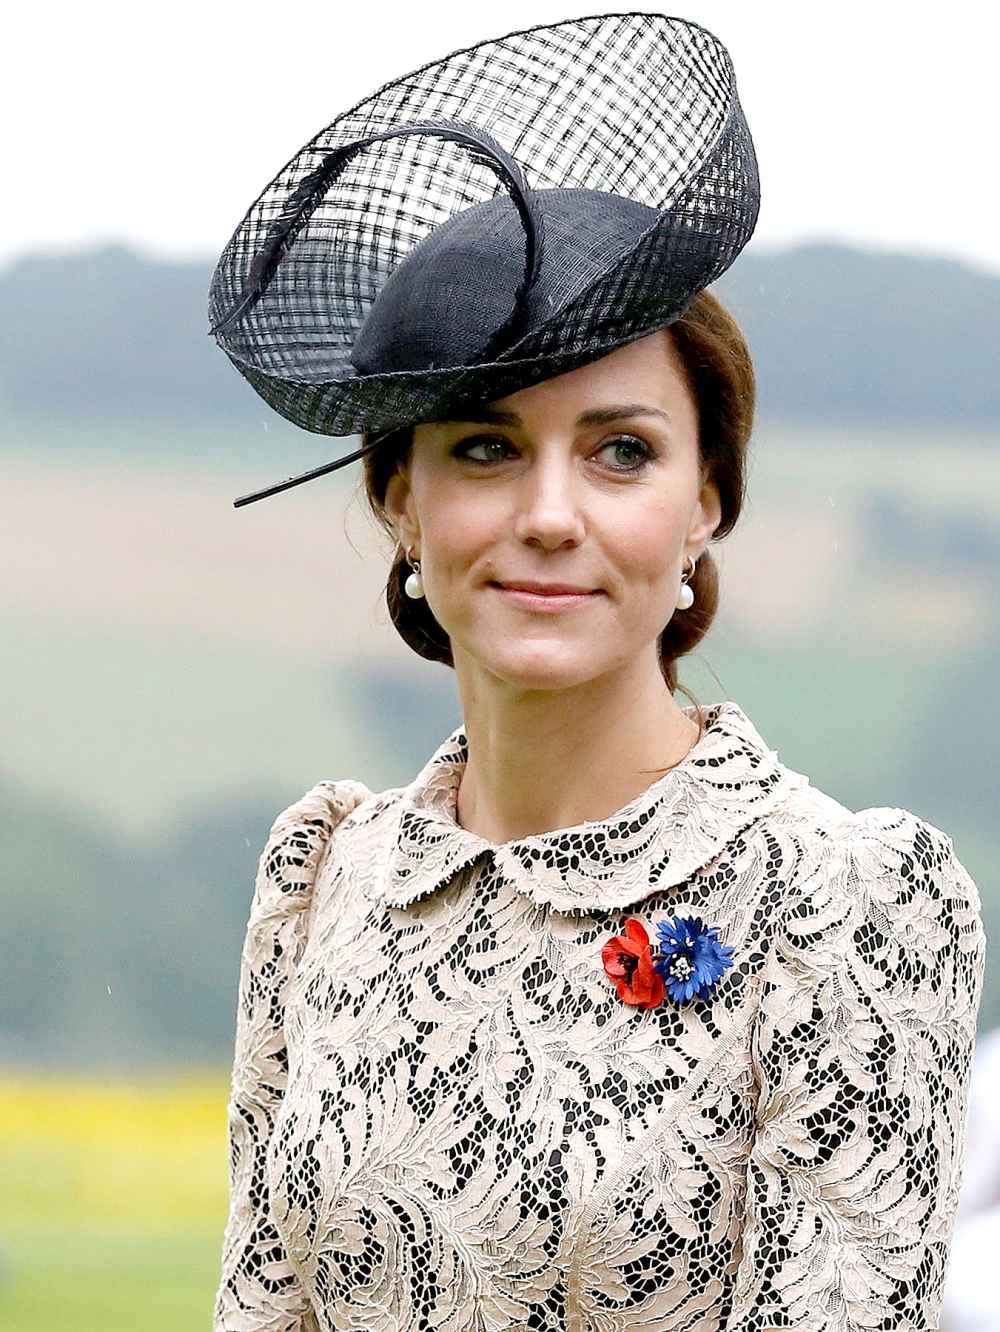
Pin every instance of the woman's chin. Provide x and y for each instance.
(541, 666)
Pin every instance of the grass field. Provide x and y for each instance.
(114, 1205)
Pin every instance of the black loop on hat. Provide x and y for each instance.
(306, 197)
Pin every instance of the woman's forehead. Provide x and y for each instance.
(643, 378)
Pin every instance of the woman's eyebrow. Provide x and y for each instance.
(596, 416)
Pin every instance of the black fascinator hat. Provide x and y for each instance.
(503, 215)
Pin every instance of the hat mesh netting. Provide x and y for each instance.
(638, 108)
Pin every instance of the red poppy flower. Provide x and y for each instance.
(628, 961)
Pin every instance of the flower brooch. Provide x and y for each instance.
(688, 964)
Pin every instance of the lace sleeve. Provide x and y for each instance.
(863, 1048)
(258, 1288)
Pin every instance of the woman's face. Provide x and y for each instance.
(592, 479)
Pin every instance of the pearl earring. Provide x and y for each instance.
(685, 597)
(414, 585)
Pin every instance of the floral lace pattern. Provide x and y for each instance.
(443, 1116)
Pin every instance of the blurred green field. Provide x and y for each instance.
(115, 1198)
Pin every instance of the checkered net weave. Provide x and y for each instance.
(636, 105)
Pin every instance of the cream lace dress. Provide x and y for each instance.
(444, 1117)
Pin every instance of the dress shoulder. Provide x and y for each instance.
(893, 900)
(898, 860)
(298, 841)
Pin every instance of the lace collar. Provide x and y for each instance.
(676, 826)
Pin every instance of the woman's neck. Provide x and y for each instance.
(543, 760)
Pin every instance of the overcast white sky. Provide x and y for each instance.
(875, 123)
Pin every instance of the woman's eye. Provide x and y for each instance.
(479, 441)
(636, 446)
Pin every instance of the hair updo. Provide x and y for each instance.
(720, 375)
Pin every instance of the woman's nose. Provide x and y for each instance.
(548, 502)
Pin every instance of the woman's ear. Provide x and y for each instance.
(707, 515)
(400, 508)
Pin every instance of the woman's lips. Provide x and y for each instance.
(544, 601)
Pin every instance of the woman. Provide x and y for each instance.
(608, 1019)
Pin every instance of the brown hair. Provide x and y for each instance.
(721, 377)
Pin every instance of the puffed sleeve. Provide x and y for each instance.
(258, 1288)
(863, 1049)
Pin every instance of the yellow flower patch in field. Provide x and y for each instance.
(108, 1152)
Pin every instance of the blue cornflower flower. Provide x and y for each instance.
(690, 959)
